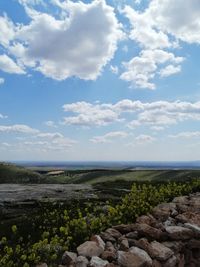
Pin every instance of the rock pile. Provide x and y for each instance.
(168, 237)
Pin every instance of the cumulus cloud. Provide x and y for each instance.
(142, 69)
(109, 137)
(169, 70)
(164, 113)
(8, 65)
(161, 26)
(179, 18)
(79, 41)
(142, 30)
(159, 114)
(7, 30)
(89, 114)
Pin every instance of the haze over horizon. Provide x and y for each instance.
(102, 80)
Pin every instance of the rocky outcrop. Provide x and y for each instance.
(169, 237)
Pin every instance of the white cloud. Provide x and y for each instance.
(109, 137)
(52, 141)
(8, 65)
(161, 26)
(36, 140)
(49, 135)
(2, 80)
(89, 114)
(143, 32)
(18, 128)
(142, 69)
(7, 30)
(152, 27)
(169, 70)
(158, 114)
(163, 113)
(179, 18)
(73, 46)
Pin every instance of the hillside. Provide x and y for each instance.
(10, 173)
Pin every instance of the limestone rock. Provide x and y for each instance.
(179, 232)
(134, 258)
(42, 265)
(142, 243)
(159, 251)
(124, 245)
(189, 217)
(114, 233)
(81, 261)
(176, 246)
(109, 246)
(132, 235)
(107, 237)
(68, 258)
(123, 228)
(193, 227)
(98, 240)
(89, 249)
(163, 211)
(98, 262)
(181, 200)
(109, 255)
(148, 231)
(147, 219)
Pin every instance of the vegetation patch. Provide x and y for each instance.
(60, 228)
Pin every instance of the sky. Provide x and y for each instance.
(101, 80)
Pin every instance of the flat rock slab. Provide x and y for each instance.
(12, 193)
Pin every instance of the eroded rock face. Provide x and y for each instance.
(170, 237)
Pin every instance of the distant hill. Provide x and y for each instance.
(10, 173)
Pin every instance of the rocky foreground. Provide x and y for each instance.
(168, 237)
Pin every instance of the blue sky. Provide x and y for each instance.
(99, 80)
